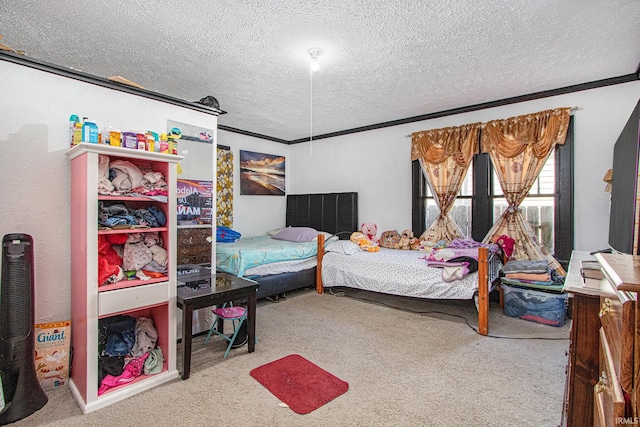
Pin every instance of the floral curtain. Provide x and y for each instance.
(224, 188)
(519, 147)
(445, 155)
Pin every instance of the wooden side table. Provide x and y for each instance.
(224, 288)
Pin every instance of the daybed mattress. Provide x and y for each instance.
(281, 267)
(394, 271)
(243, 256)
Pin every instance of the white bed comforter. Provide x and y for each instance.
(394, 271)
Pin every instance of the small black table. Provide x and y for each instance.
(224, 288)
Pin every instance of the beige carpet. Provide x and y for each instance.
(403, 369)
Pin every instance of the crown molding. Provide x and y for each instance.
(101, 81)
(483, 106)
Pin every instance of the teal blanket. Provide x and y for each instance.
(247, 252)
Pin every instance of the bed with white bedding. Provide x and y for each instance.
(408, 273)
(396, 272)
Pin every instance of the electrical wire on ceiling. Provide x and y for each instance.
(310, 112)
(314, 66)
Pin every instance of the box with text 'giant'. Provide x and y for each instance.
(52, 345)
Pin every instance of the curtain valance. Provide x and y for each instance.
(518, 147)
(541, 131)
(437, 145)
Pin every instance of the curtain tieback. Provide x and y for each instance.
(513, 209)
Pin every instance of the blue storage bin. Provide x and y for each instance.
(535, 306)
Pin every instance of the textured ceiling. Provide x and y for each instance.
(382, 60)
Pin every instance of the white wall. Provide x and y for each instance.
(376, 164)
(35, 173)
(255, 215)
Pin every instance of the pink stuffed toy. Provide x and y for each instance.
(507, 244)
(370, 230)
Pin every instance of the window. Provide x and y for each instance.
(537, 208)
(461, 212)
(548, 207)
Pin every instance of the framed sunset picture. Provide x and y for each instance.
(262, 174)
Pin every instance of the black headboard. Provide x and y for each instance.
(330, 212)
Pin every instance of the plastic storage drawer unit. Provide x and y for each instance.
(536, 306)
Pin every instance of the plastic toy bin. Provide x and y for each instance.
(536, 306)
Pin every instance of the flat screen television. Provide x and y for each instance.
(624, 227)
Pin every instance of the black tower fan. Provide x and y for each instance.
(20, 392)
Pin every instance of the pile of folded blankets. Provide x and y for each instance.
(534, 274)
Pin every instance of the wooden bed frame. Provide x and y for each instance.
(337, 213)
(485, 277)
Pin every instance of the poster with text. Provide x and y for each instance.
(195, 202)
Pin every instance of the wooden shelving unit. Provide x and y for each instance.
(154, 298)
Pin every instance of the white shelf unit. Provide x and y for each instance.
(155, 298)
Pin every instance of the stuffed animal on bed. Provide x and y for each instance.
(414, 244)
(428, 240)
(405, 240)
(370, 230)
(507, 244)
(364, 242)
(389, 239)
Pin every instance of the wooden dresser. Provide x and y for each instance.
(583, 365)
(615, 393)
(603, 375)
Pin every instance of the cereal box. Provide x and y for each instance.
(52, 342)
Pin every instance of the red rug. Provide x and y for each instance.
(302, 385)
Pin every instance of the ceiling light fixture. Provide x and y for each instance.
(314, 52)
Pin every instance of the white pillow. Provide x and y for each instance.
(274, 231)
(346, 247)
(328, 237)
